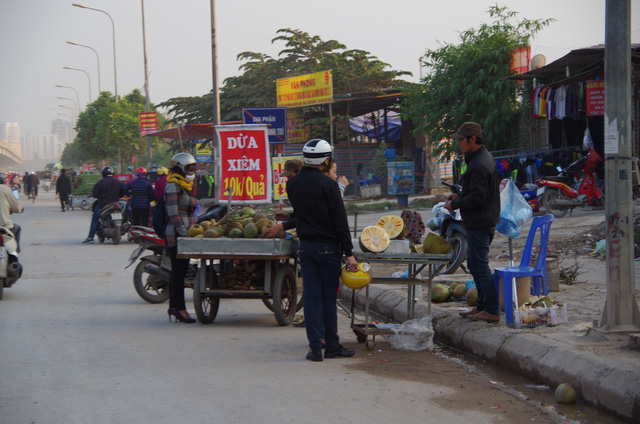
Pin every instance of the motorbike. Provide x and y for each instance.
(575, 186)
(10, 267)
(449, 226)
(111, 224)
(151, 276)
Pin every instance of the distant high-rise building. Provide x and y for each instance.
(64, 131)
(10, 132)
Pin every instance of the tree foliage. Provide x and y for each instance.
(466, 82)
(353, 71)
(109, 131)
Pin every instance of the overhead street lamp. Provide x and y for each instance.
(73, 43)
(113, 27)
(75, 108)
(86, 73)
(77, 97)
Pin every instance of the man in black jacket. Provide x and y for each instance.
(63, 189)
(106, 191)
(323, 231)
(479, 205)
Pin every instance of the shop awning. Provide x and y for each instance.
(186, 132)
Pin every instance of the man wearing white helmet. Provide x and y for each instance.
(323, 230)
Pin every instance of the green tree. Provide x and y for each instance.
(466, 82)
(353, 71)
(109, 131)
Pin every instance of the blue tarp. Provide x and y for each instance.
(373, 126)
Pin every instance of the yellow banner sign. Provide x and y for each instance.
(305, 90)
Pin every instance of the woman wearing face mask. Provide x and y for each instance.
(180, 204)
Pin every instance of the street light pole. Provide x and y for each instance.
(75, 110)
(77, 97)
(113, 27)
(214, 51)
(86, 73)
(146, 82)
(97, 57)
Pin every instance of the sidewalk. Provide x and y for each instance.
(604, 369)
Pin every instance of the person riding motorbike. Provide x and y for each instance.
(8, 205)
(160, 183)
(106, 191)
(141, 191)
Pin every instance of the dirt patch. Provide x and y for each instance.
(472, 390)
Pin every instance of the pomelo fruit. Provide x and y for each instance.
(472, 296)
(439, 293)
(565, 394)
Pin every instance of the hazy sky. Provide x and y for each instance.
(33, 35)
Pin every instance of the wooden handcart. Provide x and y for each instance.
(265, 269)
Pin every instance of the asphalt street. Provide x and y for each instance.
(77, 345)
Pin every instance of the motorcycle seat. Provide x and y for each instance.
(561, 179)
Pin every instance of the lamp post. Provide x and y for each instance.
(113, 27)
(85, 72)
(77, 97)
(73, 43)
(75, 107)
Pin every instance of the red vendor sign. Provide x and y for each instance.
(595, 98)
(245, 163)
(148, 122)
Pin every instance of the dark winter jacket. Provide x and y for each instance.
(319, 212)
(63, 185)
(479, 202)
(141, 191)
(107, 190)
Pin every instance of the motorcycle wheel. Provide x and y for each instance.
(100, 237)
(549, 201)
(150, 288)
(459, 246)
(116, 234)
(206, 306)
(1, 289)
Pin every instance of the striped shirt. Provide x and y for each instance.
(180, 205)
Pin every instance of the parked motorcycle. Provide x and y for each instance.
(111, 224)
(576, 186)
(151, 276)
(10, 268)
(449, 226)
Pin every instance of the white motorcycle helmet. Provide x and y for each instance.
(182, 160)
(316, 151)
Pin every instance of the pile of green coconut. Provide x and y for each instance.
(446, 291)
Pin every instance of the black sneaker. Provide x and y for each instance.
(342, 352)
(315, 355)
(87, 241)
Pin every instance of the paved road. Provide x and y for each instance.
(77, 345)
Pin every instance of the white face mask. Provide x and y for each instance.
(191, 177)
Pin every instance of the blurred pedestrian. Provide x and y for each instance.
(141, 191)
(63, 189)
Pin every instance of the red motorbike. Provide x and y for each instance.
(576, 186)
(151, 276)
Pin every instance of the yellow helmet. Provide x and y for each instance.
(358, 279)
(163, 171)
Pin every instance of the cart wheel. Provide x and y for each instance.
(206, 305)
(369, 344)
(362, 338)
(285, 296)
(269, 303)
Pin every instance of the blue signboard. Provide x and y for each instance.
(274, 117)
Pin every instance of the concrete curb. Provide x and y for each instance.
(601, 382)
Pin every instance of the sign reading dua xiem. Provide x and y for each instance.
(245, 163)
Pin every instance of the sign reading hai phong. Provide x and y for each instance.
(148, 122)
(245, 163)
(305, 90)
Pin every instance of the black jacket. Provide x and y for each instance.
(479, 202)
(107, 190)
(63, 185)
(319, 212)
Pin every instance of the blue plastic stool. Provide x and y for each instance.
(538, 273)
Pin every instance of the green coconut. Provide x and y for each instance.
(247, 211)
(459, 291)
(257, 217)
(236, 233)
(251, 230)
(439, 293)
(214, 232)
(472, 296)
(565, 394)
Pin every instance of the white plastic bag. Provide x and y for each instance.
(587, 141)
(415, 335)
(514, 211)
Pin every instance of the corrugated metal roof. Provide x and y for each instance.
(578, 64)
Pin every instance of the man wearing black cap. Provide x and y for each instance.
(479, 205)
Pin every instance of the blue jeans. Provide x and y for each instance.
(321, 265)
(478, 263)
(94, 221)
